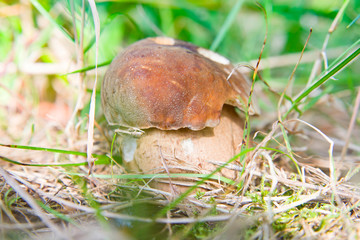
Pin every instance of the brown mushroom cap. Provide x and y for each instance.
(170, 84)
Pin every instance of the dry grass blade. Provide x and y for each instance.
(264, 42)
(291, 78)
(351, 126)
(331, 150)
(30, 200)
(303, 200)
(79, 44)
(90, 140)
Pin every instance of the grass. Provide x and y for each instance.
(298, 179)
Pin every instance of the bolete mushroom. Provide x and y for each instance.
(174, 92)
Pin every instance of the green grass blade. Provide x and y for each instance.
(56, 213)
(97, 162)
(353, 21)
(346, 52)
(88, 68)
(225, 27)
(151, 176)
(323, 79)
(289, 150)
(101, 159)
(43, 12)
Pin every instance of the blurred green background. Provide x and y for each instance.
(200, 22)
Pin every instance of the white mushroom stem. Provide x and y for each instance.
(128, 147)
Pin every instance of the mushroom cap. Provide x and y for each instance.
(170, 84)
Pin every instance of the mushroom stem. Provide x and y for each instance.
(128, 147)
(187, 151)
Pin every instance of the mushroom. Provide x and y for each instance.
(173, 94)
